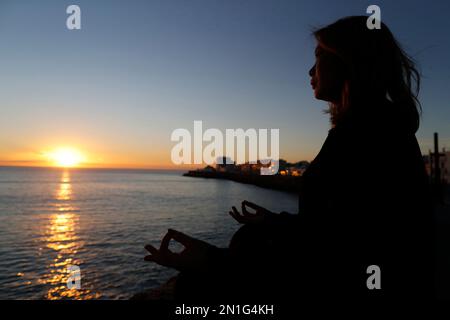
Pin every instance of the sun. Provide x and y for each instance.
(66, 157)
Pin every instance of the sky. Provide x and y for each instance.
(137, 70)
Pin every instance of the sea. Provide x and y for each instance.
(88, 227)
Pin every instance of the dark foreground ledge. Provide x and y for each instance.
(165, 292)
(276, 182)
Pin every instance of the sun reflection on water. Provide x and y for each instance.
(62, 239)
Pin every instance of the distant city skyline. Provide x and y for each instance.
(115, 90)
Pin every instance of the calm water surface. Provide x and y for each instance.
(100, 220)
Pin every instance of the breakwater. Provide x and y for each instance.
(276, 182)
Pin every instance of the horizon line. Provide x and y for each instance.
(93, 168)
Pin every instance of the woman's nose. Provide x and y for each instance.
(312, 71)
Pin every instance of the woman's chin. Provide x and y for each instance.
(317, 95)
(320, 96)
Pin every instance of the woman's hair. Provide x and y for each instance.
(376, 69)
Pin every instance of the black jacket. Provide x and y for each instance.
(364, 201)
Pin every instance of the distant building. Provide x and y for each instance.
(284, 168)
(294, 171)
(297, 169)
(444, 165)
(251, 168)
(226, 165)
(245, 168)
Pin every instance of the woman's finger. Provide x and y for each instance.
(235, 211)
(237, 214)
(164, 248)
(163, 257)
(252, 205)
(259, 210)
(245, 213)
(182, 238)
(235, 217)
(151, 249)
(241, 217)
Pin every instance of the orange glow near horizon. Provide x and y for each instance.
(65, 157)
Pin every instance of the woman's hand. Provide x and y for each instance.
(192, 258)
(259, 216)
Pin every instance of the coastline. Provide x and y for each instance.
(276, 182)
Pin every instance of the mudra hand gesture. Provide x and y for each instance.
(260, 215)
(192, 258)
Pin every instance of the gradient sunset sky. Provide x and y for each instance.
(137, 70)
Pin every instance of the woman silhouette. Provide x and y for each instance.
(364, 224)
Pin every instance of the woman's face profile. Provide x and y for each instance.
(327, 76)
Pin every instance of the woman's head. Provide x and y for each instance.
(357, 69)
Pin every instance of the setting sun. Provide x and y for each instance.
(66, 157)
